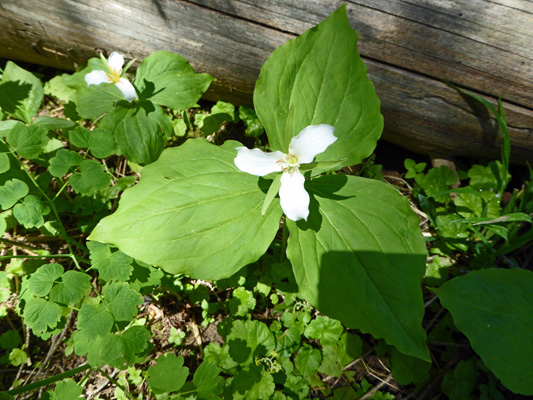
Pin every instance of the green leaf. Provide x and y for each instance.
(323, 77)
(63, 161)
(7, 126)
(461, 382)
(251, 121)
(51, 123)
(251, 384)
(220, 112)
(21, 93)
(493, 308)
(41, 281)
(325, 329)
(168, 79)
(111, 266)
(121, 301)
(272, 193)
(360, 258)
(242, 303)
(28, 141)
(140, 130)
(168, 375)
(30, 212)
(93, 101)
(248, 340)
(18, 357)
(207, 381)
(40, 314)
(95, 320)
(332, 364)
(9, 340)
(100, 142)
(73, 287)
(11, 192)
(407, 369)
(4, 163)
(66, 390)
(437, 181)
(308, 360)
(91, 178)
(193, 212)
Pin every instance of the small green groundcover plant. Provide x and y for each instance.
(336, 263)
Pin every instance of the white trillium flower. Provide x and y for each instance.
(113, 75)
(303, 149)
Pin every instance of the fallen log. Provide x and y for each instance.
(409, 46)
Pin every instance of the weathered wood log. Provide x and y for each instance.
(410, 48)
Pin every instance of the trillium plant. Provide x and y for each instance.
(353, 244)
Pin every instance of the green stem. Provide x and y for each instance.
(48, 381)
(284, 237)
(43, 256)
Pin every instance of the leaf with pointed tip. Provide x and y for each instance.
(193, 212)
(321, 75)
(360, 257)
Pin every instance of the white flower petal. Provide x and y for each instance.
(96, 77)
(257, 162)
(311, 141)
(294, 199)
(127, 89)
(115, 61)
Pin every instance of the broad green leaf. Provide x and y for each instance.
(321, 75)
(168, 375)
(140, 130)
(100, 142)
(7, 126)
(332, 364)
(469, 205)
(28, 141)
(111, 266)
(349, 347)
(58, 87)
(208, 382)
(461, 382)
(51, 123)
(95, 320)
(73, 287)
(39, 314)
(93, 101)
(21, 93)
(66, 390)
(30, 212)
(168, 79)
(11, 192)
(91, 178)
(248, 340)
(121, 301)
(308, 360)
(63, 161)
(41, 281)
(436, 182)
(9, 340)
(407, 369)
(325, 329)
(494, 309)
(193, 212)
(4, 163)
(360, 258)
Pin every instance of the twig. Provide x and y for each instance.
(373, 391)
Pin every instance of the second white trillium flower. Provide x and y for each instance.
(303, 149)
(113, 75)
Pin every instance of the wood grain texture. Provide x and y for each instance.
(409, 46)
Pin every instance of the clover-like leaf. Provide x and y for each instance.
(249, 339)
(325, 329)
(11, 192)
(91, 178)
(95, 320)
(168, 375)
(121, 301)
(63, 161)
(40, 314)
(110, 265)
(100, 142)
(66, 390)
(73, 287)
(30, 212)
(4, 163)
(308, 361)
(208, 381)
(42, 280)
(28, 141)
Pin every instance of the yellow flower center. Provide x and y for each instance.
(114, 75)
(289, 163)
